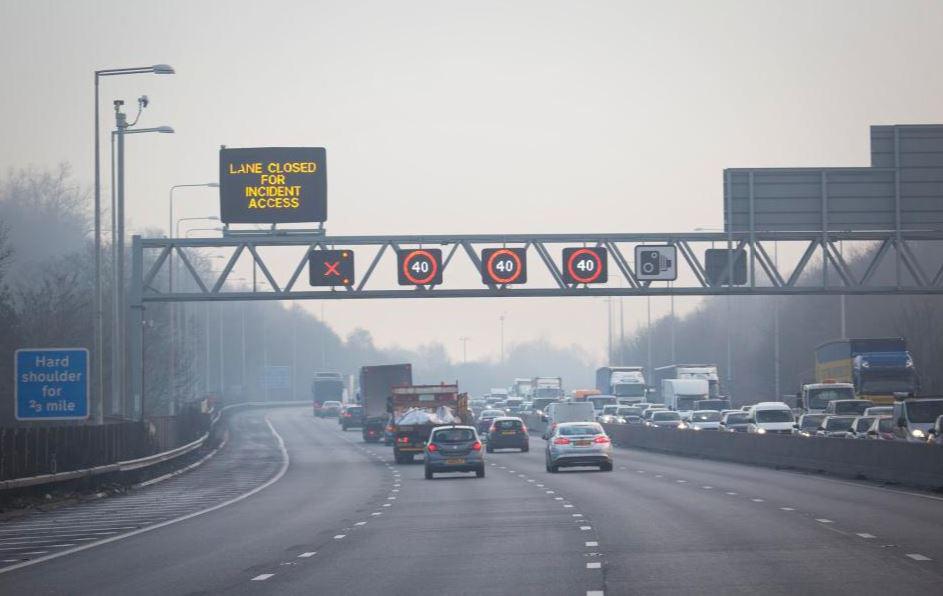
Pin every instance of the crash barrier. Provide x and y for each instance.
(883, 461)
(130, 441)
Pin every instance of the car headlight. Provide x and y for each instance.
(761, 431)
(682, 426)
(918, 434)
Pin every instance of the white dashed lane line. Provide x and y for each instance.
(786, 509)
(262, 577)
(307, 555)
(822, 520)
(865, 535)
(594, 565)
(592, 543)
(918, 557)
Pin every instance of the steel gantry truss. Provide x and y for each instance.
(892, 262)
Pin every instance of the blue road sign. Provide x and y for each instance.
(51, 384)
(276, 377)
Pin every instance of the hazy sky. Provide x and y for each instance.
(475, 117)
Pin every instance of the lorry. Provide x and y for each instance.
(326, 386)
(417, 409)
(558, 412)
(682, 394)
(376, 386)
(878, 368)
(520, 387)
(707, 372)
(622, 381)
(546, 387)
(813, 398)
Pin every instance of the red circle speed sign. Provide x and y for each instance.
(510, 274)
(420, 267)
(584, 266)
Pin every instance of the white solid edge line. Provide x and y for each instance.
(268, 483)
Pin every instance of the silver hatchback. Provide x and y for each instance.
(454, 449)
(579, 444)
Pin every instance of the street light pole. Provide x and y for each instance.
(502, 337)
(464, 341)
(98, 314)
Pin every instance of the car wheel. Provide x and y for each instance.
(525, 448)
(480, 473)
(428, 474)
(489, 448)
(605, 468)
(553, 469)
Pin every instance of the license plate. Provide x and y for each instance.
(455, 460)
(507, 432)
(581, 443)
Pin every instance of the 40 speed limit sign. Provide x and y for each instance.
(419, 266)
(503, 266)
(587, 265)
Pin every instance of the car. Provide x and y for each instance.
(608, 415)
(578, 444)
(508, 432)
(849, 407)
(484, 419)
(351, 417)
(664, 419)
(771, 417)
(454, 448)
(860, 426)
(704, 420)
(835, 427)
(882, 429)
(935, 434)
(735, 421)
(808, 424)
(330, 409)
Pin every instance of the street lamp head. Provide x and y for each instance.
(165, 129)
(213, 184)
(213, 217)
(163, 69)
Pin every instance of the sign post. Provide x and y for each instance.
(51, 384)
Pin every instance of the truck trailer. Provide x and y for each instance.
(622, 381)
(376, 386)
(878, 368)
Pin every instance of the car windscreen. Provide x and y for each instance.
(705, 416)
(774, 416)
(453, 435)
(663, 416)
(737, 418)
(838, 423)
(610, 409)
(924, 411)
(508, 424)
(819, 398)
(812, 421)
(600, 402)
(852, 407)
(579, 429)
(863, 424)
(628, 411)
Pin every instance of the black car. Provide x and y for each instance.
(508, 433)
(484, 420)
(351, 417)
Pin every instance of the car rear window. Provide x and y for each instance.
(581, 429)
(507, 424)
(863, 424)
(663, 416)
(886, 425)
(812, 421)
(355, 410)
(454, 435)
(838, 423)
(492, 413)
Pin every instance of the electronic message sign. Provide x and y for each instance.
(331, 267)
(503, 266)
(269, 185)
(585, 265)
(419, 266)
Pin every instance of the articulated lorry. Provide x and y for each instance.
(521, 387)
(376, 387)
(622, 381)
(417, 409)
(877, 368)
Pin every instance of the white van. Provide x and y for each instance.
(771, 417)
(569, 411)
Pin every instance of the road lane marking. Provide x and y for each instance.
(707, 487)
(558, 498)
(914, 556)
(592, 543)
(822, 520)
(278, 476)
(732, 494)
(658, 476)
(577, 515)
(866, 535)
(680, 481)
(550, 492)
(262, 577)
(360, 523)
(376, 513)
(387, 504)
(567, 506)
(307, 555)
(586, 528)
(786, 509)
(593, 565)
(757, 500)
(540, 486)
(339, 536)
(595, 593)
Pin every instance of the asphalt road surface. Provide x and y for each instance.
(342, 518)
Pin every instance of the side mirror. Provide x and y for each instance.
(872, 433)
(544, 419)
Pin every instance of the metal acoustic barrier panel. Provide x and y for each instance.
(883, 461)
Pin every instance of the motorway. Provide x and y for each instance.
(330, 515)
